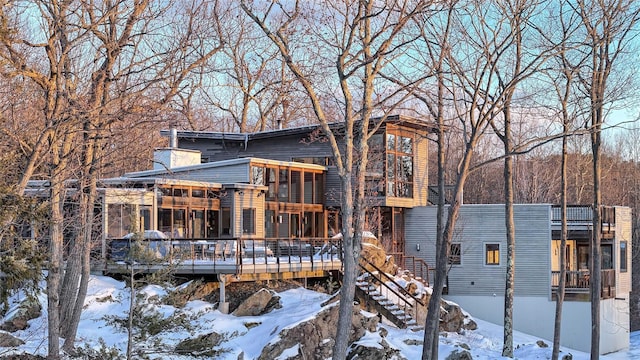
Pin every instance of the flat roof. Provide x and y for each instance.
(248, 136)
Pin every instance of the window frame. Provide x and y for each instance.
(248, 221)
(486, 254)
(399, 165)
(623, 253)
(453, 256)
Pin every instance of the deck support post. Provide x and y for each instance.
(223, 305)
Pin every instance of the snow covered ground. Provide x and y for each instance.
(108, 298)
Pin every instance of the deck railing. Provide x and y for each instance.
(579, 281)
(584, 214)
(231, 251)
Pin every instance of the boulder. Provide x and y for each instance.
(460, 355)
(377, 256)
(202, 345)
(259, 303)
(314, 339)
(18, 318)
(384, 351)
(453, 319)
(7, 340)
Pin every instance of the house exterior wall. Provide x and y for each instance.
(171, 158)
(623, 233)
(306, 145)
(247, 199)
(479, 288)
(576, 321)
(477, 226)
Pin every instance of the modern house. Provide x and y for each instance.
(396, 177)
(266, 205)
(476, 278)
(402, 218)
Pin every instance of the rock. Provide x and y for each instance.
(314, 339)
(377, 256)
(453, 319)
(362, 352)
(201, 346)
(8, 340)
(413, 342)
(460, 355)
(18, 319)
(259, 303)
(412, 288)
(542, 344)
(567, 357)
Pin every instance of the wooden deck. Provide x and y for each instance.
(248, 260)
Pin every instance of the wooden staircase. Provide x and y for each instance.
(382, 294)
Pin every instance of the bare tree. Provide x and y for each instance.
(512, 37)
(85, 94)
(609, 28)
(359, 39)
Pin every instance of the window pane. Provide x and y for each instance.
(296, 185)
(319, 189)
(623, 256)
(212, 224)
(607, 257)
(406, 145)
(145, 217)
(269, 223)
(455, 255)
(249, 221)
(283, 185)
(257, 175)
(308, 188)
(164, 221)
(226, 221)
(197, 222)
(271, 183)
(492, 254)
(391, 142)
(197, 193)
(179, 222)
(391, 172)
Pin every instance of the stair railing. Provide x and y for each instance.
(400, 292)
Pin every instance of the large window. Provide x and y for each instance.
(492, 254)
(399, 164)
(120, 220)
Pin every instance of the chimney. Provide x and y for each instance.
(173, 138)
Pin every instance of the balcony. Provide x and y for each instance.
(580, 217)
(577, 285)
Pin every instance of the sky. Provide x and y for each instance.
(108, 298)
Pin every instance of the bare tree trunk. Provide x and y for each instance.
(55, 266)
(609, 28)
(563, 246)
(362, 52)
(507, 347)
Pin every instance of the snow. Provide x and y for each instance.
(108, 298)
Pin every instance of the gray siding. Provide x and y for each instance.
(282, 148)
(234, 173)
(478, 225)
(333, 187)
